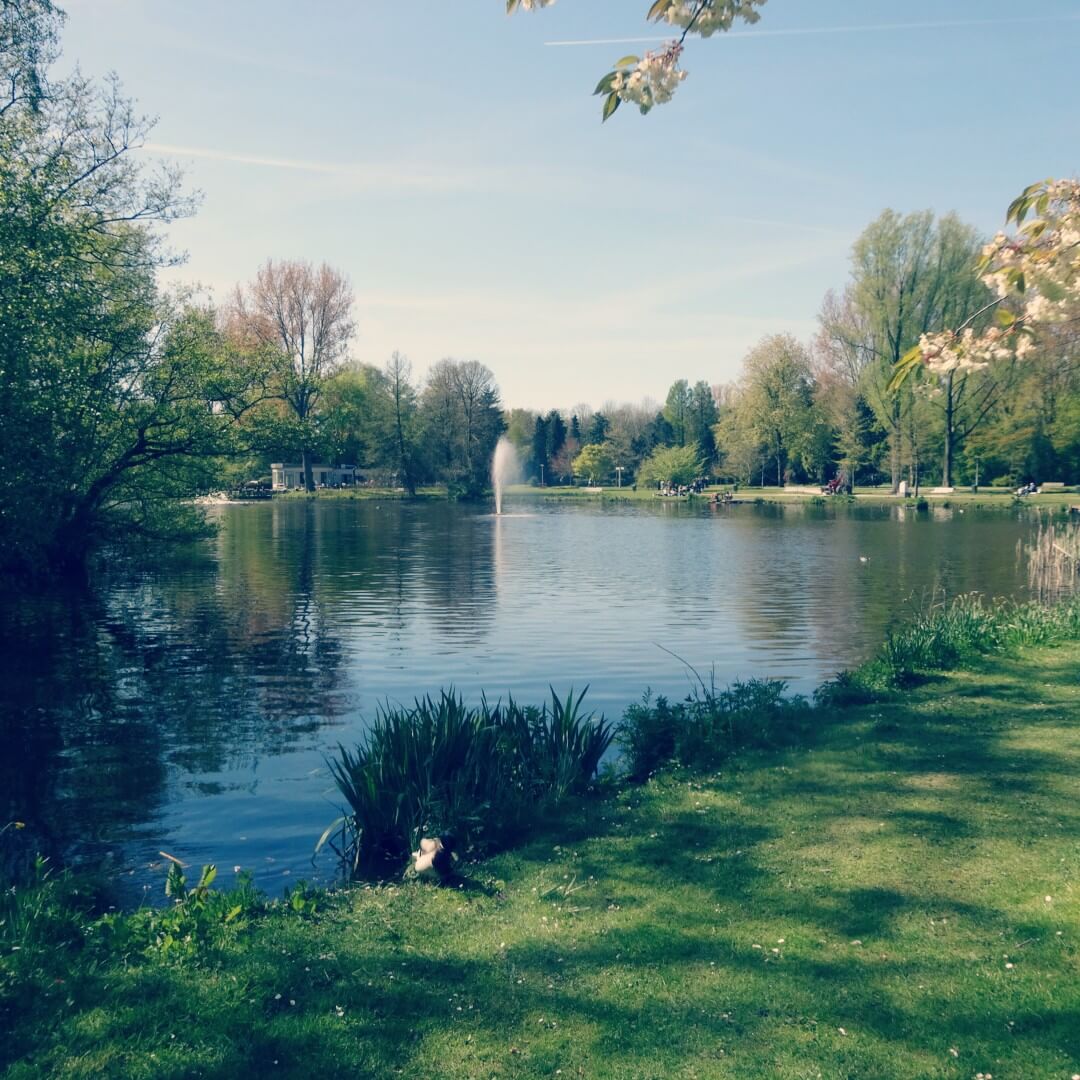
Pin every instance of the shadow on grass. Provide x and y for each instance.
(735, 924)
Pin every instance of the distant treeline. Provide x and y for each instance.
(120, 399)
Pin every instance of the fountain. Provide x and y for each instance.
(504, 469)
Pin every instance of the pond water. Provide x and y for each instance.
(188, 707)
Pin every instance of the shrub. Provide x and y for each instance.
(482, 773)
(708, 725)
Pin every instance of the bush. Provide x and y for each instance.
(708, 725)
(483, 774)
(946, 635)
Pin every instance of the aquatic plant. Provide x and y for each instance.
(483, 773)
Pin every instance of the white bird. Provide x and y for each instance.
(864, 558)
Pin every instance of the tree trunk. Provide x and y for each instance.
(950, 433)
(309, 477)
(895, 435)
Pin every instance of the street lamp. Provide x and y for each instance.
(618, 474)
(541, 475)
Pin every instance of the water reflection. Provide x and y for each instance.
(188, 707)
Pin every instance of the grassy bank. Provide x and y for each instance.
(984, 498)
(897, 896)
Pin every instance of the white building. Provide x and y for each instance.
(285, 476)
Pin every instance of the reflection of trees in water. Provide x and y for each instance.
(457, 574)
(196, 666)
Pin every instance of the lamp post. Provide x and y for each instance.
(541, 475)
(618, 475)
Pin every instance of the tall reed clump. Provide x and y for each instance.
(709, 725)
(1053, 560)
(483, 773)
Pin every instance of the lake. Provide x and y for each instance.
(187, 707)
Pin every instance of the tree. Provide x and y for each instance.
(598, 428)
(595, 462)
(539, 460)
(115, 400)
(352, 430)
(671, 465)
(777, 399)
(462, 418)
(909, 274)
(678, 412)
(702, 419)
(741, 449)
(302, 316)
(401, 438)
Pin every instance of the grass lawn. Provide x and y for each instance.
(985, 498)
(901, 898)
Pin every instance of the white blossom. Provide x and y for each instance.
(1036, 270)
(717, 15)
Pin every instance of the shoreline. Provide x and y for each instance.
(867, 898)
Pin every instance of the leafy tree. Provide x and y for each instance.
(462, 417)
(595, 462)
(115, 400)
(909, 275)
(352, 430)
(777, 400)
(741, 449)
(671, 465)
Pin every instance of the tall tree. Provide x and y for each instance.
(302, 315)
(598, 428)
(539, 458)
(678, 412)
(910, 275)
(401, 438)
(777, 399)
(114, 398)
(462, 417)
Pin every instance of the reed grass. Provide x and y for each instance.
(484, 774)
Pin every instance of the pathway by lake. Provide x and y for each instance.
(188, 707)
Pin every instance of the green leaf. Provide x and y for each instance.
(604, 85)
(1021, 284)
(658, 10)
(1004, 318)
(628, 61)
(326, 833)
(612, 103)
(905, 366)
(233, 912)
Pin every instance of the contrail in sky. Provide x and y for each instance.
(803, 31)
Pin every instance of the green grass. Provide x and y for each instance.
(984, 498)
(846, 908)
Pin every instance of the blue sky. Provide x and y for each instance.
(451, 161)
